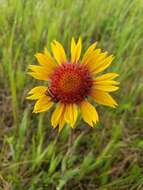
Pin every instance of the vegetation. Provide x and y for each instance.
(33, 156)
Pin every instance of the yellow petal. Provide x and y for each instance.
(36, 92)
(71, 114)
(75, 50)
(37, 68)
(98, 61)
(38, 76)
(46, 52)
(105, 82)
(73, 45)
(107, 88)
(103, 98)
(89, 52)
(92, 58)
(107, 76)
(62, 122)
(56, 115)
(89, 113)
(46, 60)
(39, 72)
(102, 65)
(49, 57)
(43, 104)
(58, 52)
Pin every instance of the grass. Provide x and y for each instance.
(33, 156)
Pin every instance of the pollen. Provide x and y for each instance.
(70, 83)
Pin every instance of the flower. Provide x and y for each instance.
(72, 83)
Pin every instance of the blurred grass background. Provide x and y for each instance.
(33, 156)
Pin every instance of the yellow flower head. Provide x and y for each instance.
(72, 82)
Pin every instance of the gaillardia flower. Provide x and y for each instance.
(71, 84)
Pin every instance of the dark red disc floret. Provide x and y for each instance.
(70, 83)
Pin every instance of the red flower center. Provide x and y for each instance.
(70, 83)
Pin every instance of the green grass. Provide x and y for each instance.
(33, 156)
